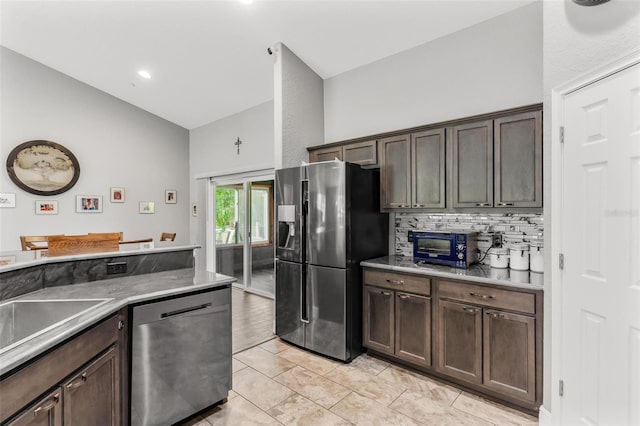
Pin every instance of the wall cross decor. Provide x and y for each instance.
(237, 144)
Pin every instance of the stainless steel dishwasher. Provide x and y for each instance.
(180, 356)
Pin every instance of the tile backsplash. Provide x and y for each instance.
(514, 227)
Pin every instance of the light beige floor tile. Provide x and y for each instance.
(237, 365)
(365, 384)
(275, 346)
(264, 361)
(369, 364)
(259, 389)
(492, 411)
(310, 361)
(232, 394)
(318, 389)
(198, 421)
(298, 410)
(432, 407)
(405, 378)
(363, 411)
(239, 412)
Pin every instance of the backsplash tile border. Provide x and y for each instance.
(514, 227)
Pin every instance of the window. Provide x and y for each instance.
(230, 214)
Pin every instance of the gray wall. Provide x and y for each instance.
(116, 144)
(494, 65)
(299, 108)
(576, 39)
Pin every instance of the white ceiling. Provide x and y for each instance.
(209, 59)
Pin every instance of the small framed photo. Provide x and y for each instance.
(117, 195)
(170, 196)
(194, 210)
(46, 207)
(89, 204)
(146, 207)
(7, 199)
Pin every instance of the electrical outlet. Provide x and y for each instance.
(116, 268)
(409, 236)
(496, 240)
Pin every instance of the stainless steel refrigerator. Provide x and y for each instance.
(328, 220)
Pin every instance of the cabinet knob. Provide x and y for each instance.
(398, 282)
(120, 325)
(385, 293)
(470, 310)
(77, 383)
(483, 204)
(418, 205)
(505, 204)
(481, 296)
(404, 296)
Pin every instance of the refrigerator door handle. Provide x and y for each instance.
(304, 312)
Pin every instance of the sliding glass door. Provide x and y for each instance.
(243, 248)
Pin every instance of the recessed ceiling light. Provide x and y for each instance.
(144, 74)
(246, 1)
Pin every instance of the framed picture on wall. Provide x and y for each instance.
(170, 196)
(46, 207)
(146, 207)
(89, 204)
(117, 195)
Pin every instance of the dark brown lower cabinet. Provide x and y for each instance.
(379, 319)
(92, 396)
(413, 328)
(398, 324)
(460, 341)
(509, 354)
(45, 412)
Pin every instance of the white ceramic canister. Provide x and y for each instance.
(519, 256)
(499, 257)
(537, 256)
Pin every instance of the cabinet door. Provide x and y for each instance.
(509, 354)
(472, 175)
(428, 169)
(460, 341)
(413, 328)
(363, 153)
(395, 172)
(379, 319)
(45, 412)
(325, 154)
(92, 397)
(518, 160)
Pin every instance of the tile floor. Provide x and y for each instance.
(276, 383)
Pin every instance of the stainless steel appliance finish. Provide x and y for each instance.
(21, 319)
(328, 220)
(180, 356)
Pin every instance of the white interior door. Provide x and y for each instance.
(600, 226)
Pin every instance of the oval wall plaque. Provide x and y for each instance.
(43, 167)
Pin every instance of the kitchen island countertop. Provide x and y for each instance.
(478, 274)
(120, 292)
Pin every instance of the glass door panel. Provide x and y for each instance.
(262, 254)
(230, 212)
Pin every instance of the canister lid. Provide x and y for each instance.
(520, 246)
(499, 250)
(537, 243)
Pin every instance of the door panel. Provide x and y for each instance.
(327, 301)
(379, 319)
(289, 325)
(473, 164)
(600, 233)
(460, 341)
(428, 169)
(413, 328)
(288, 208)
(327, 215)
(395, 172)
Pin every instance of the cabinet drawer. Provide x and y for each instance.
(397, 281)
(488, 296)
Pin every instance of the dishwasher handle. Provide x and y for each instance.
(185, 310)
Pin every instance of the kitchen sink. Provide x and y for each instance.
(23, 319)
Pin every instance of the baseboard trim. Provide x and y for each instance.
(544, 417)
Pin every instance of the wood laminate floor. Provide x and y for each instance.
(252, 319)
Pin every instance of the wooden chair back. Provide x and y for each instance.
(166, 236)
(61, 245)
(29, 242)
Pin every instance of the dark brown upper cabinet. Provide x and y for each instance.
(472, 172)
(325, 154)
(364, 153)
(428, 169)
(395, 172)
(518, 160)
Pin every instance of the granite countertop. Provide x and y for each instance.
(120, 292)
(10, 261)
(477, 274)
